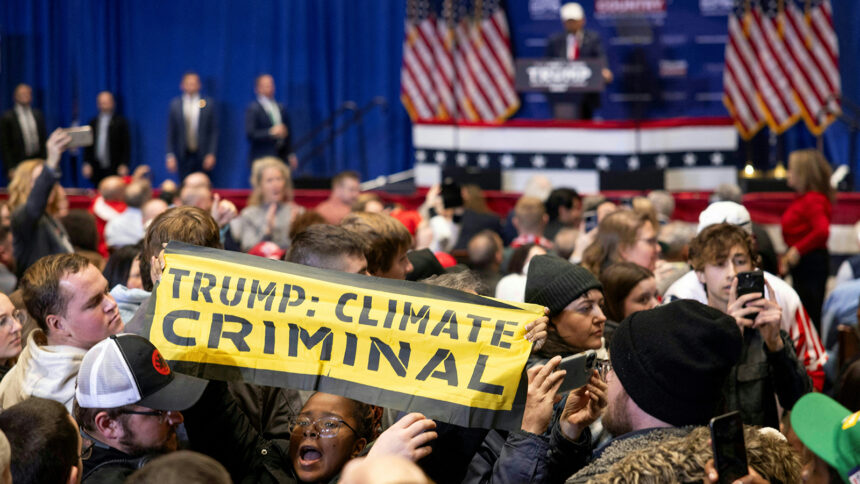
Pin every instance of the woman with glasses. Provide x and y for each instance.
(624, 235)
(11, 323)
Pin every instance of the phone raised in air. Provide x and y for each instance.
(80, 136)
(727, 441)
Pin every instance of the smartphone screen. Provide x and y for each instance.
(730, 453)
(590, 220)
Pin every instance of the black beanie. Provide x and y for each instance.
(554, 282)
(673, 360)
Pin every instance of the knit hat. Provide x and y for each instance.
(725, 213)
(554, 282)
(674, 359)
(831, 431)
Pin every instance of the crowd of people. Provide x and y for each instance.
(85, 397)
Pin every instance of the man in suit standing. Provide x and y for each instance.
(192, 130)
(576, 43)
(111, 151)
(22, 131)
(267, 124)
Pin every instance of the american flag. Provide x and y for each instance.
(457, 62)
(781, 65)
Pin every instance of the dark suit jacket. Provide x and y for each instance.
(118, 143)
(12, 140)
(257, 125)
(590, 47)
(207, 129)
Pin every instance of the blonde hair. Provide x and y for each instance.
(812, 172)
(616, 231)
(258, 168)
(22, 184)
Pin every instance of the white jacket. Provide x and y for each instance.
(795, 320)
(42, 371)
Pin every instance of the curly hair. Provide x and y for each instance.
(683, 459)
(713, 244)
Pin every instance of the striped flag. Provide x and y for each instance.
(457, 65)
(781, 65)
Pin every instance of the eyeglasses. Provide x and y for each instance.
(162, 414)
(603, 367)
(325, 427)
(18, 315)
(87, 451)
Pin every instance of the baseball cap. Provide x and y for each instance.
(572, 11)
(725, 213)
(831, 431)
(127, 369)
(269, 250)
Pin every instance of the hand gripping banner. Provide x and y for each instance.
(450, 355)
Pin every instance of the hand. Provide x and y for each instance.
(736, 305)
(790, 258)
(536, 331)
(223, 211)
(156, 265)
(584, 405)
(208, 162)
(278, 131)
(141, 172)
(607, 75)
(293, 161)
(406, 438)
(56, 144)
(122, 170)
(87, 170)
(769, 320)
(271, 215)
(543, 386)
(171, 164)
(752, 478)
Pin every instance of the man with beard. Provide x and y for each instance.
(669, 365)
(128, 403)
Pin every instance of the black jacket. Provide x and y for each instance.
(12, 139)
(118, 147)
(759, 375)
(108, 465)
(34, 232)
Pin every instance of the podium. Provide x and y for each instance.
(573, 87)
(559, 75)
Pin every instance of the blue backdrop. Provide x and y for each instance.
(324, 52)
(321, 53)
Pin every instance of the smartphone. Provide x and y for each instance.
(81, 136)
(452, 196)
(578, 369)
(750, 282)
(590, 220)
(727, 442)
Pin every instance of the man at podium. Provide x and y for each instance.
(576, 43)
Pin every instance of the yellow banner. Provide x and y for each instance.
(411, 346)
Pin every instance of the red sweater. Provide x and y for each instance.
(806, 222)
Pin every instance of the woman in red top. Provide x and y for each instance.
(806, 227)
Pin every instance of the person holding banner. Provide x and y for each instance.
(576, 43)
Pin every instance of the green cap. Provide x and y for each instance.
(831, 431)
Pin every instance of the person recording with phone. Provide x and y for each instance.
(35, 199)
(721, 256)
